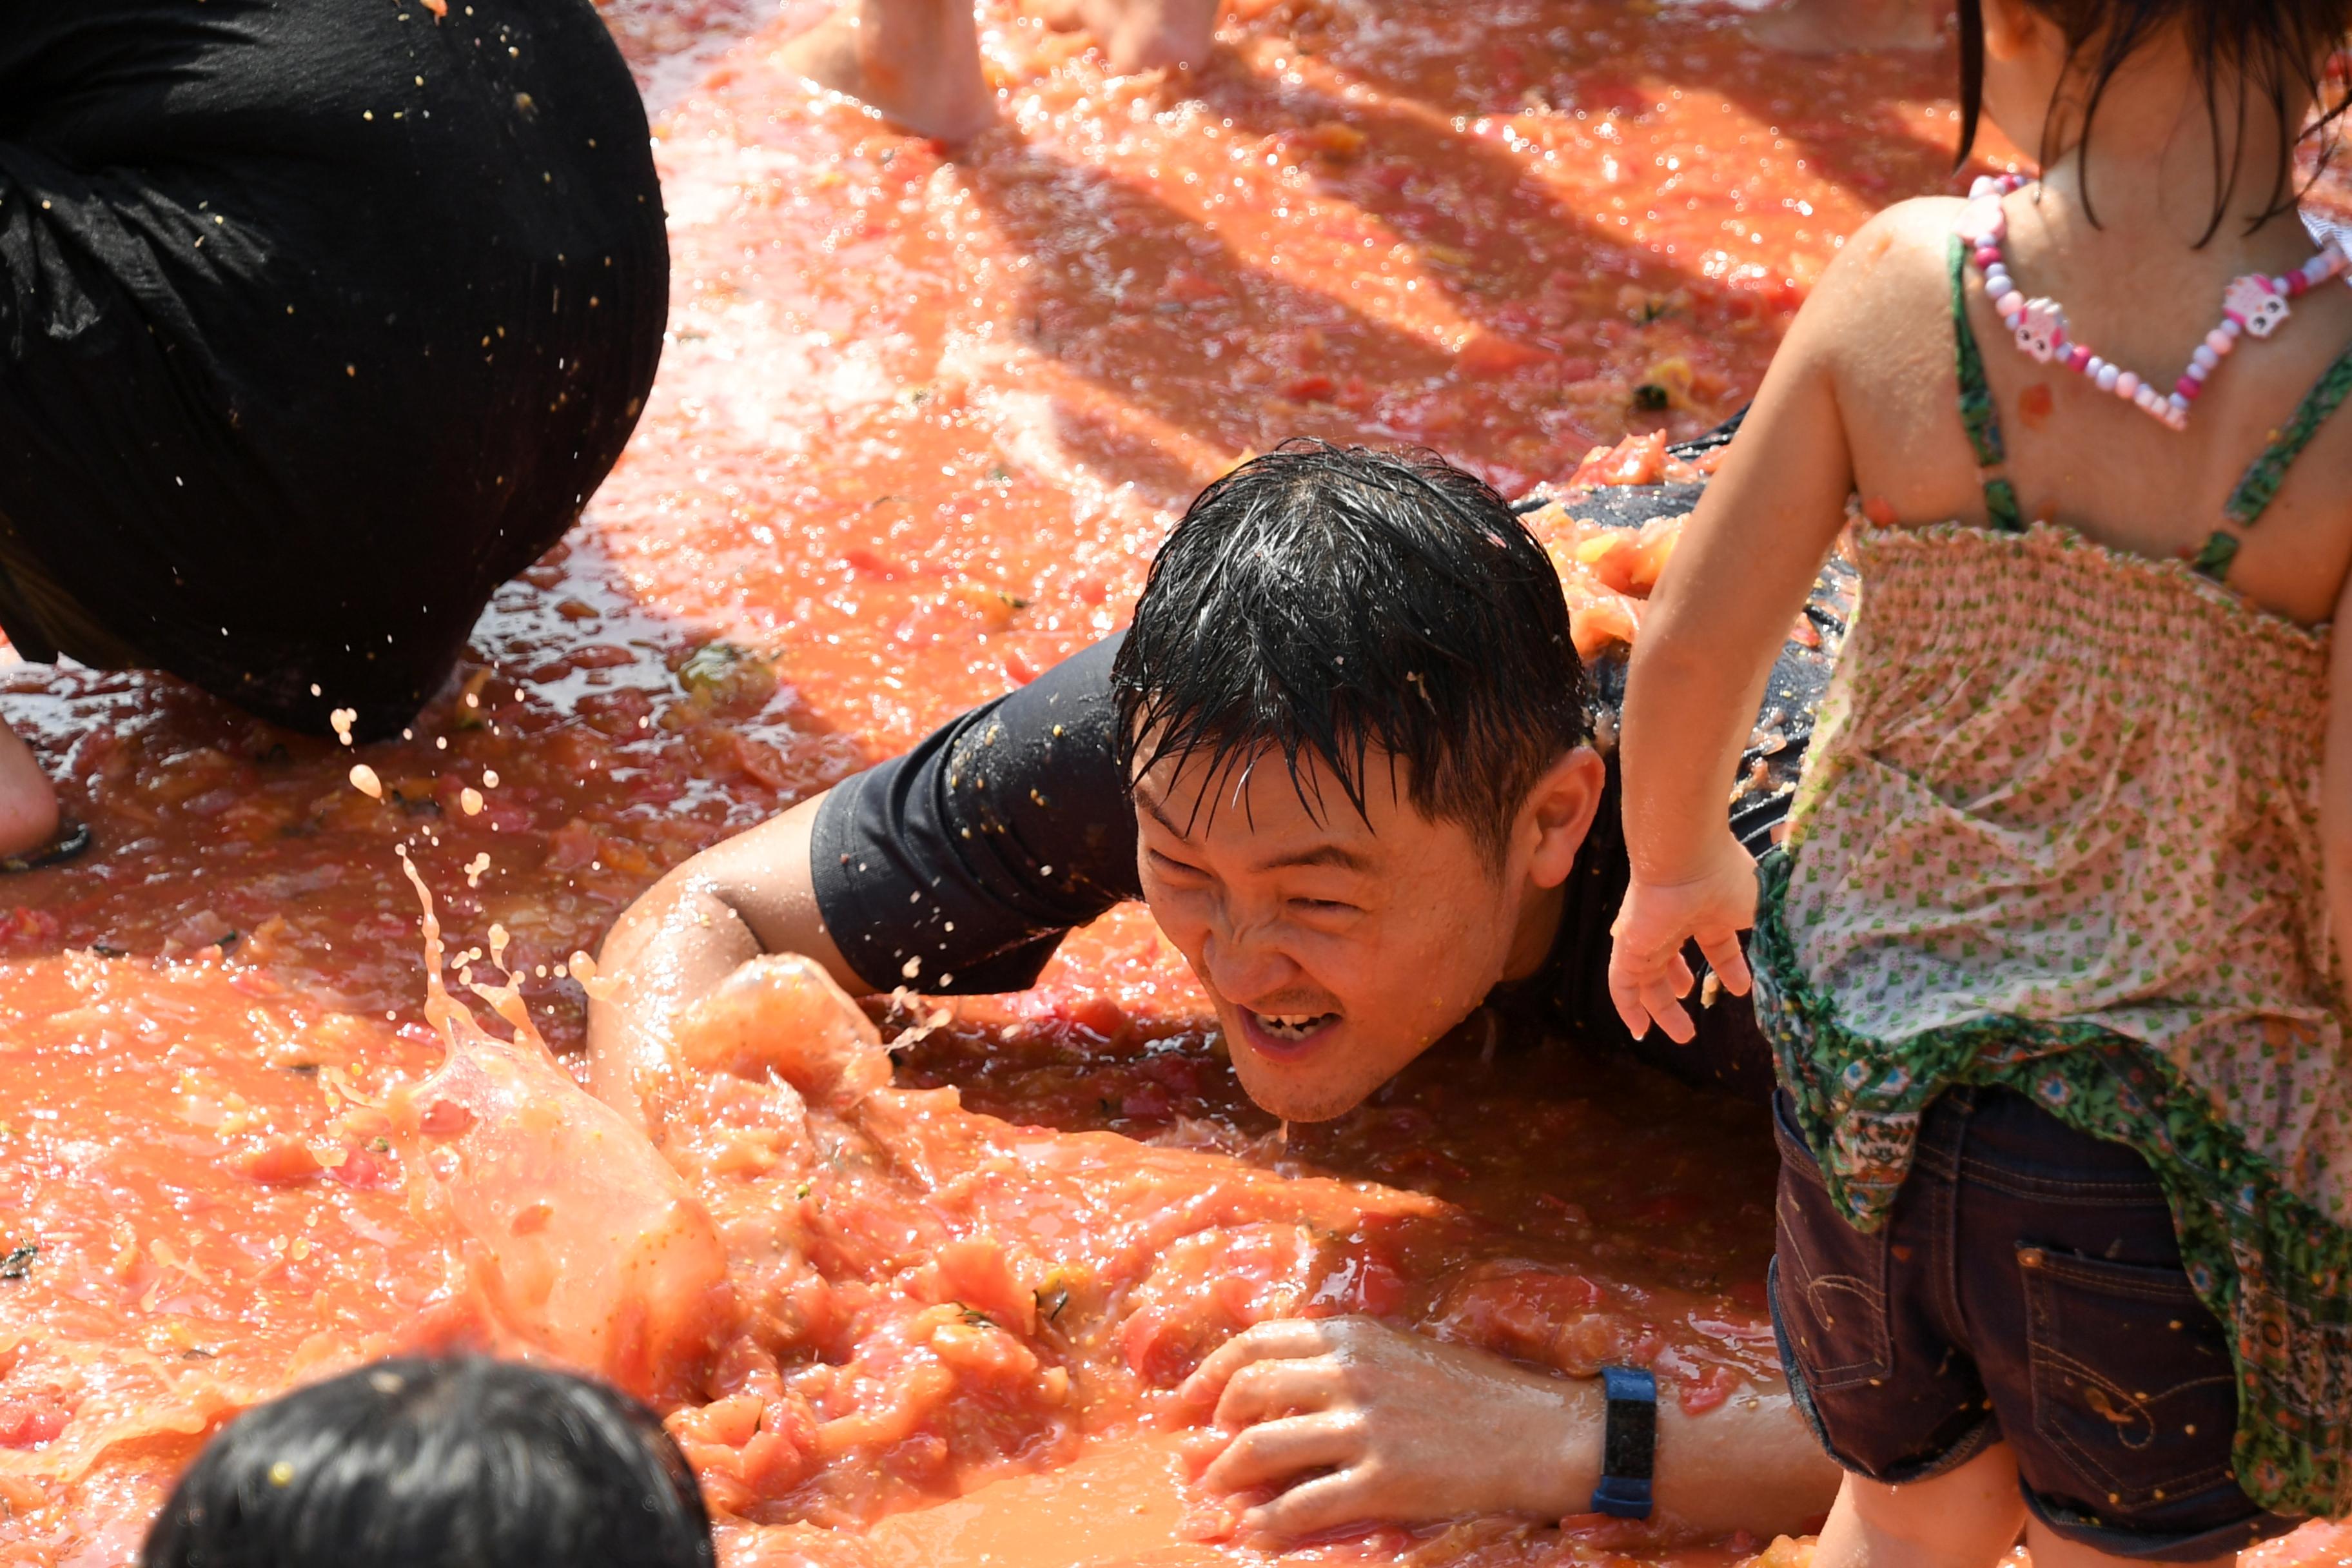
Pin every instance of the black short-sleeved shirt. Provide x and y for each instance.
(958, 867)
(318, 319)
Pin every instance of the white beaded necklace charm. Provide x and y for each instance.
(2042, 333)
(2253, 306)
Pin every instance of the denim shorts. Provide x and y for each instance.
(2026, 1289)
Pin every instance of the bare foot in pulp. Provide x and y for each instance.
(1836, 27)
(28, 802)
(918, 61)
(1140, 35)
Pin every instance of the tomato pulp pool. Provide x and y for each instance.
(921, 420)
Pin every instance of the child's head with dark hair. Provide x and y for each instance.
(1346, 602)
(2260, 65)
(438, 1464)
(1353, 723)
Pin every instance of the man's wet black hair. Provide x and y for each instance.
(2272, 43)
(1336, 601)
(464, 1463)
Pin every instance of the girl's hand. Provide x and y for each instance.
(1647, 972)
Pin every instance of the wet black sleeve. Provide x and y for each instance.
(958, 867)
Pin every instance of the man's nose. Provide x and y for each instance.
(1241, 956)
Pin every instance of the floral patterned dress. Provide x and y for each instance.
(2059, 832)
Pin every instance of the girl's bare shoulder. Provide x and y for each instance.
(1898, 258)
(1881, 314)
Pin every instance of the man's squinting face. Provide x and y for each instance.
(1336, 946)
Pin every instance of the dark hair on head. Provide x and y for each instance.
(2271, 44)
(1336, 600)
(465, 1463)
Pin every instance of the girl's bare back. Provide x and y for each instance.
(2075, 455)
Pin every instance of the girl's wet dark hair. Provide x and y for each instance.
(438, 1464)
(1337, 600)
(2271, 44)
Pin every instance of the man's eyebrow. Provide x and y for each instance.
(1337, 855)
(1334, 855)
(1157, 816)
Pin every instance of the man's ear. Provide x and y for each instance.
(1558, 813)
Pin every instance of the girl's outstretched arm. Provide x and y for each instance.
(1736, 584)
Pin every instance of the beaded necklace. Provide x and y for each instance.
(2253, 304)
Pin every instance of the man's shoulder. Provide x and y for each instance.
(977, 850)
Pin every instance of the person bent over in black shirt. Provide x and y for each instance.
(318, 322)
(1345, 753)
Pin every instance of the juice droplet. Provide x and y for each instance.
(438, 1008)
(471, 799)
(474, 870)
(363, 780)
(598, 986)
(497, 935)
(342, 718)
(490, 778)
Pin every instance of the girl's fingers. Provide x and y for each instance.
(1635, 978)
(1625, 995)
(1663, 1006)
(1729, 962)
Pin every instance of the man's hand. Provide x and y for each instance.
(1647, 972)
(685, 934)
(1347, 1420)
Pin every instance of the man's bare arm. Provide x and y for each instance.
(748, 895)
(1346, 1420)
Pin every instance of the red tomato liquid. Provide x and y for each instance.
(921, 421)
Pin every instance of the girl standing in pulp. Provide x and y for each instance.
(2065, 1209)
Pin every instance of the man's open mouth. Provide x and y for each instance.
(1292, 1027)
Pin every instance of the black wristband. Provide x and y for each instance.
(1629, 1442)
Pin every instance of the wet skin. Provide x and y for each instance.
(1338, 944)
(1379, 930)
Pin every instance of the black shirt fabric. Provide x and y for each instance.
(318, 319)
(971, 857)
(958, 867)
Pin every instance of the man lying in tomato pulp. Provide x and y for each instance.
(1346, 754)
